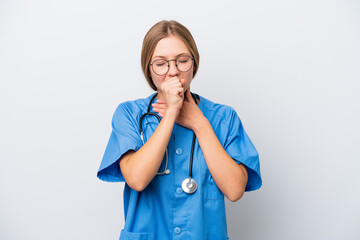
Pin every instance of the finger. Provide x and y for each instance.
(174, 87)
(160, 101)
(173, 80)
(181, 93)
(170, 84)
(157, 105)
(158, 110)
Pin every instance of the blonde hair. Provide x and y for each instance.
(162, 30)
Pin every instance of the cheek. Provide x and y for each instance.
(188, 79)
(157, 80)
(189, 76)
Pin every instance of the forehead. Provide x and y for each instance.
(170, 47)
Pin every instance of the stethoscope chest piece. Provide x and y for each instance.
(189, 185)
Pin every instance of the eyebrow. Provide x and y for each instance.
(175, 56)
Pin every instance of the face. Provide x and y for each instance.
(170, 48)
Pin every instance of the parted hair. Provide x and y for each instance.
(162, 30)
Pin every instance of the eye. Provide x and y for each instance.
(159, 63)
(183, 59)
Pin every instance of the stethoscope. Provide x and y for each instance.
(188, 184)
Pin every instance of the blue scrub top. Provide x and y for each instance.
(162, 210)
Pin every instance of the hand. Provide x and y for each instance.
(190, 114)
(173, 92)
(159, 107)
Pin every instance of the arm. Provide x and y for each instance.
(230, 177)
(140, 167)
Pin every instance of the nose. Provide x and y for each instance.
(173, 70)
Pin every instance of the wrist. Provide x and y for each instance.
(203, 123)
(172, 113)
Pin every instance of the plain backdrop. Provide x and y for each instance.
(289, 68)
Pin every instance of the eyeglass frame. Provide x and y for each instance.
(168, 62)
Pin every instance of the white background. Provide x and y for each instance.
(289, 68)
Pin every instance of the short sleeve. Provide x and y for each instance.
(124, 136)
(239, 146)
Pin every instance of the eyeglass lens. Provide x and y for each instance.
(161, 66)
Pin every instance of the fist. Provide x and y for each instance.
(173, 92)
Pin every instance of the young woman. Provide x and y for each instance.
(178, 152)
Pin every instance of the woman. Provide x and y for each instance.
(177, 176)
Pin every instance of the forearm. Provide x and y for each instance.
(140, 168)
(230, 177)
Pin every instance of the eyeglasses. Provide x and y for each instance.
(161, 66)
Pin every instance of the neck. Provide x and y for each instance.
(160, 96)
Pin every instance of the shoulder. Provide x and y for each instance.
(132, 108)
(217, 111)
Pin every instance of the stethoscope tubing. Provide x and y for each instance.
(189, 184)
